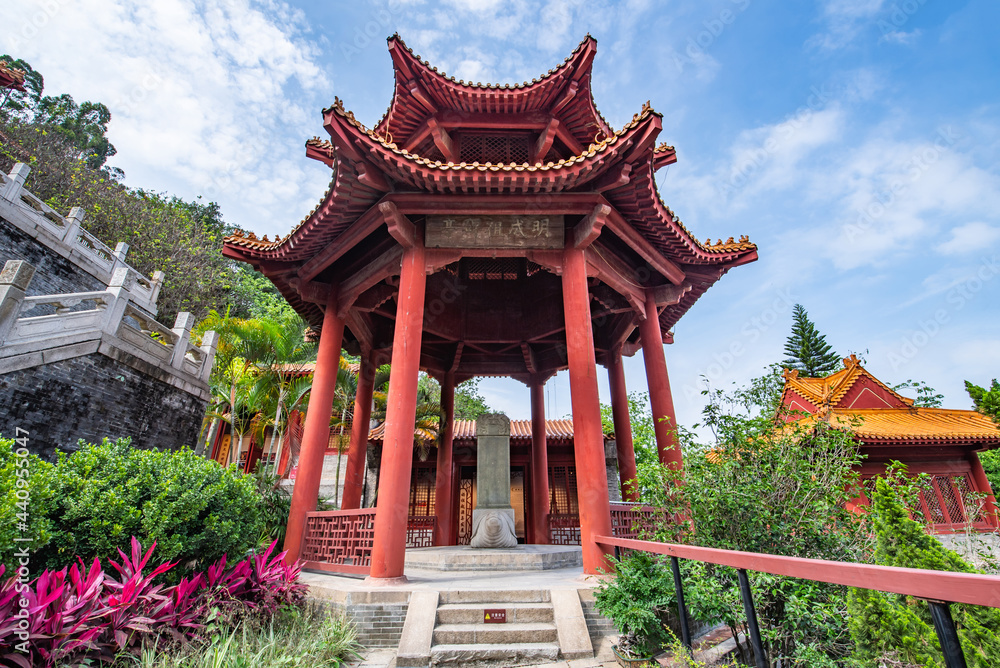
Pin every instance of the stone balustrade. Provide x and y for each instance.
(86, 322)
(65, 236)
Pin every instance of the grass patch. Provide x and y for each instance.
(308, 637)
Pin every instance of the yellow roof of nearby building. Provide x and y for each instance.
(909, 424)
(831, 389)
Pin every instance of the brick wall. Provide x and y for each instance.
(54, 274)
(377, 624)
(94, 396)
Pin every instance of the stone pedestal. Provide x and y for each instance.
(493, 516)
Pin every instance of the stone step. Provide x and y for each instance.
(509, 654)
(493, 634)
(495, 596)
(472, 613)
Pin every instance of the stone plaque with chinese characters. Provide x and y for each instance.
(529, 231)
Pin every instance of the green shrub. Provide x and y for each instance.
(103, 495)
(639, 600)
(20, 517)
(893, 625)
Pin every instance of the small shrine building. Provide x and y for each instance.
(941, 442)
(487, 230)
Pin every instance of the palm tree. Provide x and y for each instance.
(427, 421)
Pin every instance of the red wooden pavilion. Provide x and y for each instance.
(487, 230)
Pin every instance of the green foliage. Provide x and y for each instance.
(294, 638)
(22, 517)
(275, 502)
(888, 624)
(927, 396)
(469, 403)
(103, 495)
(991, 465)
(18, 102)
(83, 125)
(643, 428)
(764, 486)
(639, 601)
(807, 349)
(986, 401)
(253, 296)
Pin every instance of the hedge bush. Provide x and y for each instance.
(93, 501)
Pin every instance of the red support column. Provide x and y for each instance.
(354, 478)
(316, 434)
(539, 466)
(443, 499)
(660, 400)
(588, 434)
(983, 483)
(623, 425)
(389, 546)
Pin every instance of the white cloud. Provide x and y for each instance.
(974, 237)
(200, 95)
(844, 20)
(902, 37)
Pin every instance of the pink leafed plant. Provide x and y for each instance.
(77, 613)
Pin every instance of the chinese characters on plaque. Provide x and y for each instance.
(494, 231)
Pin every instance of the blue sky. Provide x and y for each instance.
(856, 142)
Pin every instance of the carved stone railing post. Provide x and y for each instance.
(209, 344)
(73, 223)
(157, 283)
(121, 251)
(18, 175)
(182, 329)
(14, 280)
(118, 288)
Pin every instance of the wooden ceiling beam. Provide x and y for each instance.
(646, 251)
(545, 140)
(587, 230)
(442, 140)
(367, 223)
(388, 264)
(400, 227)
(614, 273)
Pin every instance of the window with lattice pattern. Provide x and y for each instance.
(495, 149)
(562, 490)
(422, 492)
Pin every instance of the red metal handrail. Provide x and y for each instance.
(969, 588)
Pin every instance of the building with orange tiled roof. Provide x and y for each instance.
(940, 442)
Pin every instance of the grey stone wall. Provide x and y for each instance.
(94, 396)
(377, 624)
(54, 274)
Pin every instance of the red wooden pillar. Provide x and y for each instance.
(983, 483)
(316, 434)
(664, 420)
(623, 425)
(357, 452)
(443, 499)
(588, 434)
(539, 466)
(389, 546)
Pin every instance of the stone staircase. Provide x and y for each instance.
(461, 636)
(448, 628)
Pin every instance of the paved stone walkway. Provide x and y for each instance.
(604, 658)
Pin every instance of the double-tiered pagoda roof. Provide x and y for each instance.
(453, 148)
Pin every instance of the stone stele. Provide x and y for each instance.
(493, 516)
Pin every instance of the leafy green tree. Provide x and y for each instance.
(22, 102)
(759, 489)
(643, 432)
(987, 401)
(927, 396)
(889, 625)
(807, 349)
(84, 125)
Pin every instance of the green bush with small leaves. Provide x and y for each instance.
(892, 625)
(93, 501)
(26, 503)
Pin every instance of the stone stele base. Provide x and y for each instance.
(520, 558)
(493, 528)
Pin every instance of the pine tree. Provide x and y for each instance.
(807, 349)
(885, 624)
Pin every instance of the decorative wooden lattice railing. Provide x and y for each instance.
(339, 541)
(628, 520)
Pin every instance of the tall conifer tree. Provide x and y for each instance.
(807, 349)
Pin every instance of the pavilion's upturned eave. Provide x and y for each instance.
(344, 202)
(639, 202)
(420, 90)
(437, 176)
